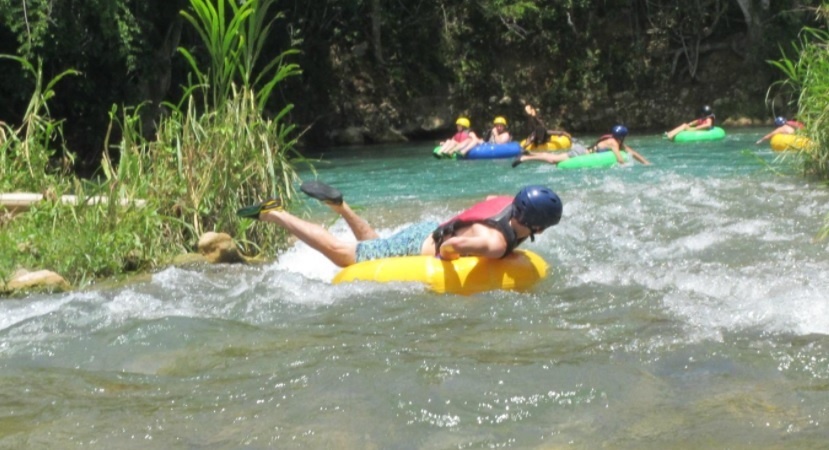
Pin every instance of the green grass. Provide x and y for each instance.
(83, 243)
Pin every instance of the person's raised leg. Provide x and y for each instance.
(672, 134)
(334, 199)
(361, 229)
(339, 252)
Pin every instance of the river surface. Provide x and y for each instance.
(687, 308)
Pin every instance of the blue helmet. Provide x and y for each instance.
(537, 207)
(779, 121)
(619, 131)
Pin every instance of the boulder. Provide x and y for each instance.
(388, 136)
(41, 279)
(219, 248)
(350, 136)
(740, 122)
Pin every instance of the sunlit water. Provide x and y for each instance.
(687, 308)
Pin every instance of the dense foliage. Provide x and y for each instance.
(381, 64)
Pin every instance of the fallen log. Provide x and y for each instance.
(17, 202)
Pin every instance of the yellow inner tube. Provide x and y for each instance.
(553, 143)
(783, 142)
(467, 275)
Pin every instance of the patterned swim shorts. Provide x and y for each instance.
(406, 242)
(577, 150)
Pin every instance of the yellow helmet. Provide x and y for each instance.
(500, 120)
(463, 121)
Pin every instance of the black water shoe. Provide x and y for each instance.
(253, 211)
(516, 161)
(322, 192)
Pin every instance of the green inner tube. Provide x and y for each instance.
(713, 134)
(592, 161)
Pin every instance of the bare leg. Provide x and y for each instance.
(552, 158)
(671, 134)
(448, 146)
(468, 145)
(339, 252)
(361, 229)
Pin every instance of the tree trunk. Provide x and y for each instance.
(376, 24)
(753, 12)
(154, 84)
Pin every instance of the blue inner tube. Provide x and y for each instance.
(494, 151)
(485, 151)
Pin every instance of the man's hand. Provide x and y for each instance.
(448, 252)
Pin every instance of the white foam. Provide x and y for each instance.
(16, 312)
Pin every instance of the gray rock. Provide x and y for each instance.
(219, 248)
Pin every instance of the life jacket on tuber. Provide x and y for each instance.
(495, 212)
(701, 120)
(594, 148)
(461, 136)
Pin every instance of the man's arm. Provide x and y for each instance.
(503, 138)
(773, 132)
(637, 156)
(488, 246)
(619, 158)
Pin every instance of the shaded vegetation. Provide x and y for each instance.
(388, 66)
(213, 153)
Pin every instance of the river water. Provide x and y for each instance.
(687, 308)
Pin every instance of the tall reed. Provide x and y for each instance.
(808, 75)
(214, 152)
(25, 151)
(203, 166)
(234, 45)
